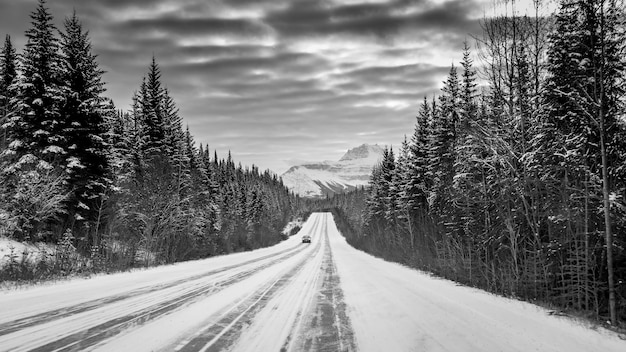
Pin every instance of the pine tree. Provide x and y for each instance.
(403, 188)
(36, 144)
(389, 190)
(152, 109)
(468, 87)
(38, 125)
(583, 106)
(8, 73)
(175, 142)
(83, 123)
(381, 201)
(464, 193)
(136, 138)
(443, 138)
(172, 125)
(420, 182)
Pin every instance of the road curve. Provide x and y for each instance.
(323, 296)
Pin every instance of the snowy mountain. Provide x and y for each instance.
(318, 179)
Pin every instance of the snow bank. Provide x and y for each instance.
(23, 252)
(297, 223)
(395, 308)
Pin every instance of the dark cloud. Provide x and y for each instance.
(121, 4)
(273, 80)
(380, 19)
(221, 51)
(285, 62)
(181, 27)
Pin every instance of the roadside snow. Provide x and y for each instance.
(390, 307)
(292, 225)
(154, 335)
(23, 252)
(394, 308)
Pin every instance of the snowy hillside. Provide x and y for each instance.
(331, 177)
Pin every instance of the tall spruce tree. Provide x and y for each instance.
(84, 128)
(8, 73)
(153, 116)
(585, 87)
(403, 187)
(36, 143)
(443, 139)
(38, 124)
(468, 86)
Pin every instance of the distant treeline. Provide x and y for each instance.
(517, 188)
(113, 184)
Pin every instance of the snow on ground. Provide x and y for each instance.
(27, 252)
(394, 308)
(124, 303)
(292, 225)
(293, 297)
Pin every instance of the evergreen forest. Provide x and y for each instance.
(514, 177)
(116, 188)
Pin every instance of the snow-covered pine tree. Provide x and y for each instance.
(405, 203)
(174, 144)
(467, 186)
(380, 215)
(135, 138)
(8, 73)
(468, 87)
(583, 103)
(443, 138)
(38, 124)
(608, 39)
(152, 109)
(117, 126)
(84, 128)
(375, 209)
(417, 179)
(419, 182)
(191, 151)
(36, 144)
(172, 126)
(389, 191)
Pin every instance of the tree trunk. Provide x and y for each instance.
(607, 223)
(605, 178)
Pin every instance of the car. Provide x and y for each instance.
(306, 239)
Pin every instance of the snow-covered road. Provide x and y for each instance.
(323, 296)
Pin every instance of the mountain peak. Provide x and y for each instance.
(364, 151)
(317, 179)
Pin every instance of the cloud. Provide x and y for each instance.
(181, 27)
(273, 80)
(383, 20)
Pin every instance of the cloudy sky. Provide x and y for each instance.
(276, 80)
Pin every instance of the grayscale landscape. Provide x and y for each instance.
(313, 175)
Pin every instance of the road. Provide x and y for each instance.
(323, 296)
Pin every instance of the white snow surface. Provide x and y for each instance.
(292, 225)
(23, 251)
(395, 308)
(389, 307)
(312, 179)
